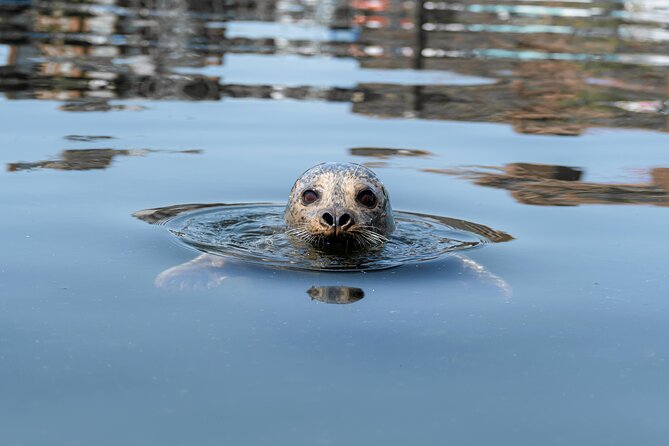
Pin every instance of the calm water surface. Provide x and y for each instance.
(545, 120)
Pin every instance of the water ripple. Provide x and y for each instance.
(256, 233)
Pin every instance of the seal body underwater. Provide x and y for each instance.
(339, 206)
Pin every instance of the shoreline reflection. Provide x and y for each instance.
(88, 159)
(553, 185)
(547, 70)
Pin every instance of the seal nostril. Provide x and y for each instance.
(345, 220)
(328, 219)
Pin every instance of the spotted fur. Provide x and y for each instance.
(338, 185)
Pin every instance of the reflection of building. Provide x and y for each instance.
(558, 70)
(256, 10)
(552, 70)
(547, 185)
(541, 105)
(533, 110)
(75, 51)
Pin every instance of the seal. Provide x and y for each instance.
(339, 205)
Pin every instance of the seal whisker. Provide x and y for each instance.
(372, 236)
(369, 238)
(366, 240)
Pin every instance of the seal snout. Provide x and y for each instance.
(336, 222)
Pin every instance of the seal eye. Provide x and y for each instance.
(366, 198)
(309, 196)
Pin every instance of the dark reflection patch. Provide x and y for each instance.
(87, 138)
(336, 294)
(88, 159)
(551, 185)
(383, 153)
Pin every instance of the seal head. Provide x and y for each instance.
(334, 205)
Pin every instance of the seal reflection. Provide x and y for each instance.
(207, 272)
(336, 294)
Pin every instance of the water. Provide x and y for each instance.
(546, 121)
(257, 233)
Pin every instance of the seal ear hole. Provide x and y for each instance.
(309, 196)
(366, 198)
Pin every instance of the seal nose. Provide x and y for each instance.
(331, 221)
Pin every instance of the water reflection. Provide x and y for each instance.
(208, 272)
(550, 69)
(384, 153)
(204, 272)
(87, 138)
(119, 49)
(550, 185)
(336, 294)
(87, 159)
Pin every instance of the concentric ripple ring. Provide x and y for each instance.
(256, 233)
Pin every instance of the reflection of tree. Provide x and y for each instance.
(547, 185)
(87, 159)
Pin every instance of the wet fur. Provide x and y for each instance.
(338, 184)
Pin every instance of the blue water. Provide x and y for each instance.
(557, 336)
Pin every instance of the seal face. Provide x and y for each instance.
(339, 205)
